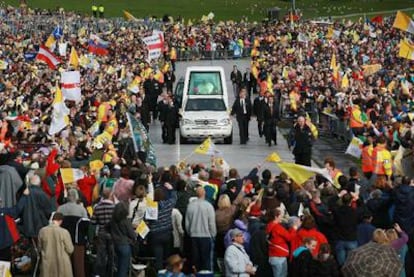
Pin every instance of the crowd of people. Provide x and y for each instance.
(195, 218)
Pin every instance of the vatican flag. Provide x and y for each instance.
(207, 148)
(71, 175)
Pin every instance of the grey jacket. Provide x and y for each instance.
(236, 260)
(200, 219)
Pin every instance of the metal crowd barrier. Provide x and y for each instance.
(331, 125)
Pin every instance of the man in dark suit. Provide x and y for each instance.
(250, 82)
(236, 79)
(152, 90)
(301, 139)
(171, 117)
(242, 108)
(271, 117)
(258, 108)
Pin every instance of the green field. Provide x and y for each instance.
(224, 9)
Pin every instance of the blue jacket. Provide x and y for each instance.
(6, 239)
(404, 206)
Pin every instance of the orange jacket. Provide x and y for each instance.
(367, 159)
(355, 120)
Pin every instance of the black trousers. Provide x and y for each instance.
(201, 253)
(303, 159)
(260, 127)
(270, 132)
(243, 129)
(170, 133)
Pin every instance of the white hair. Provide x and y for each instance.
(35, 180)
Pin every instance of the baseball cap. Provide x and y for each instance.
(235, 232)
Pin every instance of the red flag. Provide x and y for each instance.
(11, 226)
(378, 19)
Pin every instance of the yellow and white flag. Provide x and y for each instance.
(406, 50)
(60, 118)
(5, 269)
(71, 175)
(273, 158)
(3, 65)
(207, 148)
(404, 22)
(74, 58)
(355, 148)
(405, 87)
(300, 173)
(51, 43)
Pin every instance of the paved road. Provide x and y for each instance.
(242, 157)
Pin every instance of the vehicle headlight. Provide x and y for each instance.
(187, 121)
(224, 121)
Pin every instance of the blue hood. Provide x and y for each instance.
(299, 251)
(240, 225)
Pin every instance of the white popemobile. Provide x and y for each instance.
(205, 105)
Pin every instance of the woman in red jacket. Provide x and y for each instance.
(278, 240)
(308, 230)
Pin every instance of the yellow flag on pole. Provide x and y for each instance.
(300, 173)
(404, 22)
(296, 172)
(345, 81)
(333, 62)
(207, 148)
(406, 50)
(128, 16)
(330, 33)
(273, 158)
(370, 69)
(50, 42)
(391, 86)
(74, 59)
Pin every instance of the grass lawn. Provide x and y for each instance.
(223, 9)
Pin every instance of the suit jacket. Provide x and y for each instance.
(236, 77)
(237, 109)
(258, 107)
(252, 79)
(270, 117)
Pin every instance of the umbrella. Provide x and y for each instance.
(372, 259)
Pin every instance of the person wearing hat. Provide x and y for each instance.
(236, 260)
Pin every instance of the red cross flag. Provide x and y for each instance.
(70, 84)
(155, 44)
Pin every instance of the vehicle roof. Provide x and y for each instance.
(205, 68)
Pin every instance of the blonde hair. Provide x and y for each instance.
(380, 236)
(392, 234)
(223, 202)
